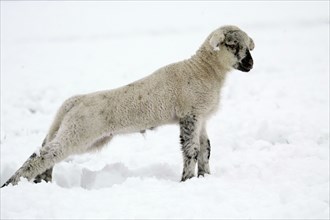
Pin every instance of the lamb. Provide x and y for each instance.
(186, 92)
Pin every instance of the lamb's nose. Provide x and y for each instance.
(247, 62)
(251, 62)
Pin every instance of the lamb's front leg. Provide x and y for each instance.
(189, 136)
(204, 154)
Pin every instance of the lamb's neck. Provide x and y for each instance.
(205, 60)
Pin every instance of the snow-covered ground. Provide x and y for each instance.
(270, 138)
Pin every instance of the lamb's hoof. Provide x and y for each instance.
(186, 177)
(40, 178)
(203, 174)
(46, 176)
(10, 181)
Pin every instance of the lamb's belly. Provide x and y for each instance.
(138, 121)
(142, 127)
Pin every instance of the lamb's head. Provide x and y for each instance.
(233, 47)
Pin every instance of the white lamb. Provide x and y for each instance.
(185, 92)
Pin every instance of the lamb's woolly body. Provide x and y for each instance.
(170, 93)
(187, 92)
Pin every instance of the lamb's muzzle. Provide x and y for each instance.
(247, 63)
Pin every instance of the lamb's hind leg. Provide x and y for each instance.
(48, 174)
(36, 164)
(189, 135)
(97, 145)
(65, 108)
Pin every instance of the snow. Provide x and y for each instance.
(270, 137)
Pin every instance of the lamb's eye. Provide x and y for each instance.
(231, 46)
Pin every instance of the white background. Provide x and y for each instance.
(270, 138)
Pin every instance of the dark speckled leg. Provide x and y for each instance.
(47, 175)
(204, 154)
(189, 136)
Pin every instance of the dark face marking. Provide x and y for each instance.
(234, 44)
(246, 63)
(235, 48)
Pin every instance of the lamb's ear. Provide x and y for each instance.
(251, 44)
(216, 39)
